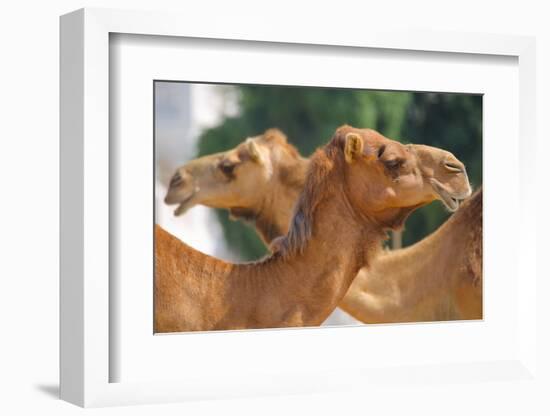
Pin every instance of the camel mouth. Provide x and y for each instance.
(451, 203)
(451, 200)
(184, 202)
(184, 206)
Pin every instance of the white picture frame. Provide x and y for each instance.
(85, 165)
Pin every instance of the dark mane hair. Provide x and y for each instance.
(469, 218)
(322, 166)
(474, 218)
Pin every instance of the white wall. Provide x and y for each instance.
(29, 208)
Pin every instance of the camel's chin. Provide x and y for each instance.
(451, 203)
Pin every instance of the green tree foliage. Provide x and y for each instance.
(309, 116)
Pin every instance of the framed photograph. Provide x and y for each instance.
(187, 150)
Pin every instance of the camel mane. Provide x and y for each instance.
(324, 163)
(470, 211)
(470, 219)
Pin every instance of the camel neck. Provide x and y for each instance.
(394, 279)
(416, 283)
(309, 284)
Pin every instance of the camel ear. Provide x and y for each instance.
(353, 147)
(253, 151)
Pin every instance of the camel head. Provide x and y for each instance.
(234, 179)
(446, 174)
(387, 180)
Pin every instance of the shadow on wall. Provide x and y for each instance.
(51, 390)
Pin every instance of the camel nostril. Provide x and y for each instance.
(176, 180)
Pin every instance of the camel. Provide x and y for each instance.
(400, 286)
(258, 181)
(357, 187)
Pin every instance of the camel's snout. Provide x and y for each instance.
(180, 188)
(169, 199)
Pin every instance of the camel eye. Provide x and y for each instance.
(393, 163)
(453, 167)
(227, 168)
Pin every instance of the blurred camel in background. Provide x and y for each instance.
(358, 186)
(258, 181)
(438, 278)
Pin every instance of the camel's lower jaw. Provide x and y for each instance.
(451, 203)
(184, 206)
(182, 209)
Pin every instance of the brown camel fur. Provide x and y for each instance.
(357, 186)
(437, 289)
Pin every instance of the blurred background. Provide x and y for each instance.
(193, 120)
